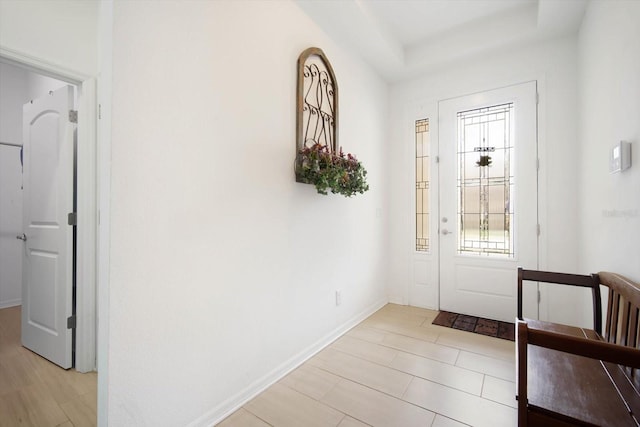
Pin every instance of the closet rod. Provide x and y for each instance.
(10, 144)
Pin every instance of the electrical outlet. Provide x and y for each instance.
(338, 298)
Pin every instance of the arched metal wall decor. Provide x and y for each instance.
(319, 159)
(317, 99)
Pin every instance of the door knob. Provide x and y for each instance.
(445, 231)
(22, 237)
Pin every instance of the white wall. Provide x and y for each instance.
(39, 85)
(223, 269)
(610, 111)
(554, 65)
(13, 90)
(61, 32)
(10, 227)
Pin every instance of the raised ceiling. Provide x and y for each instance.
(402, 38)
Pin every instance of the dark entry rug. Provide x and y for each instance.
(478, 325)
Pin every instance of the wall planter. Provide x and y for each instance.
(328, 171)
(318, 159)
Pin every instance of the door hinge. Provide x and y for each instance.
(537, 98)
(538, 229)
(71, 322)
(99, 111)
(73, 116)
(72, 218)
(538, 164)
(437, 159)
(539, 296)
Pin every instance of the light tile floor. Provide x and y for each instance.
(36, 393)
(394, 369)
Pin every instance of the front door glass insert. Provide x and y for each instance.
(486, 181)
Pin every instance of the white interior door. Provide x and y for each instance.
(488, 201)
(48, 156)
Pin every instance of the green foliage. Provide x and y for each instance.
(484, 161)
(340, 173)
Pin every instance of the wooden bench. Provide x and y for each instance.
(570, 376)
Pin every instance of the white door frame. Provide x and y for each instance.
(427, 105)
(86, 237)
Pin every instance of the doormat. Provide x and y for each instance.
(478, 325)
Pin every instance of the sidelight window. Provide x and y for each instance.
(422, 185)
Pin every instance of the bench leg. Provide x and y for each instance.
(521, 374)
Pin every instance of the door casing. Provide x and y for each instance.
(86, 237)
(428, 108)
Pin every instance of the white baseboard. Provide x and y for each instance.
(397, 300)
(10, 303)
(235, 402)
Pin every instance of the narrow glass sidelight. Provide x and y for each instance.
(486, 181)
(422, 184)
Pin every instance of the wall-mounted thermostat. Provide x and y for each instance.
(620, 158)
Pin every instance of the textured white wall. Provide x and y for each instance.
(553, 64)
(10, 227)
(13, 92)
(610, 112)
(223, 269)
(39, 85)
(61, 32)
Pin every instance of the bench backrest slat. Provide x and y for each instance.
(633, 326)
(624, 325)
(611, 331)
(623, 328)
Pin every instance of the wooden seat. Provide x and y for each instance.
(576, 376)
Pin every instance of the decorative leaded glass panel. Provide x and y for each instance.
(422, 185)
(485, 181)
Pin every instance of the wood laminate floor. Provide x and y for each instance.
(394, 369)
(36, 393)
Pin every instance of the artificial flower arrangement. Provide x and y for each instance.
(340, 173)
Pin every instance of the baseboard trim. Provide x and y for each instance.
(235, 402)
(10, 303)
(397, 300)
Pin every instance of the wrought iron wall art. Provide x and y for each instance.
(317, 98)
(319, 159)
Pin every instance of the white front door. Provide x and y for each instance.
(48, 156)
(488, 200)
